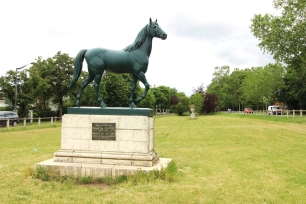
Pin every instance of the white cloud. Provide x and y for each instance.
(201, 34)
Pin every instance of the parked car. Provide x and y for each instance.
(273, 110)
(248, 110)
(11, 115)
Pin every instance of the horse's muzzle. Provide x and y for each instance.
(163, 36)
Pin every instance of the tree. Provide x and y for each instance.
(200, 89)
(183, 104)
(284, 37)
(149, 101)
(162, 96)
(211, 103)
(174, 100)
(53, 76)
(41, 86)
(220, 86)
(254, 86)
(263, 83)
(26, 97)
(117, 89)
(7, 84)
(196, 99)
(294, 91)
(236, 89)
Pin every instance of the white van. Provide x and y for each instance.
(273, 110)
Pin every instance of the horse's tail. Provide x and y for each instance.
(78, 65)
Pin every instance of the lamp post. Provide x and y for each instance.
(15, 106)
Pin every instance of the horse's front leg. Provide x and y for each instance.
(141, 76)
(134, 82)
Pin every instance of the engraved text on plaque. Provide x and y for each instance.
(103, 131)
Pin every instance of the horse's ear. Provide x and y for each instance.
(150, 21)
(156, 20)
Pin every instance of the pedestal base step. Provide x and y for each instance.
(98, 170)
(108, 158)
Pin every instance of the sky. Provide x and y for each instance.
(202, 34)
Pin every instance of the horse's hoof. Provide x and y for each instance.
(77, 104)
(133, 105)
(103, 105)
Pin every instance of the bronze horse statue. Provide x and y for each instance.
(133, 59)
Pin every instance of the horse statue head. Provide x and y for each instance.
(155, 31)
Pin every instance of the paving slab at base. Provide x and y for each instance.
(98, 170)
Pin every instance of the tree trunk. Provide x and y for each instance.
(60, 107)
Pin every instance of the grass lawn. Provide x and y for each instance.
(220, 159)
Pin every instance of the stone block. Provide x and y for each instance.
(74, 144)
(133, 123)
(133, 146)
(103, 146)
(98, 170)
(80, 154)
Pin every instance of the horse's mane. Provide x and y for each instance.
(138, 41)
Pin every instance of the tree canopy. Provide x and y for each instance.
(283, 36)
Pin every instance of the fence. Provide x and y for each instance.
(32, 121)
(160, 112)
(282, 113)
(38, 121)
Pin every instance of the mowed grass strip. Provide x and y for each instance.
(220, 159)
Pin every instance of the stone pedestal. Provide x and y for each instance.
(106, 141)
(192, 110)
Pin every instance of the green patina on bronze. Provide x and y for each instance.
(134, 59)
(111, 111)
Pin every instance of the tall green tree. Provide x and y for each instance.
(61, 71)
(263, 84)
(117, 89)
(236, 89)
(8, 83)
(196, 99)
(162, 96)
(220, 86)
(52, 78)
(283, 36)
(26, 97)
(254, 87)
(42, 88)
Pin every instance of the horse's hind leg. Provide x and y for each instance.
(88, 80)
(97, 89)
(131, 100)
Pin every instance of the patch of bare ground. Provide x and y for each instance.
(101, 186)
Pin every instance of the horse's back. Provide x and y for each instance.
(117, 61)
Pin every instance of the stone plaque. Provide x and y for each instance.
(103, 131)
